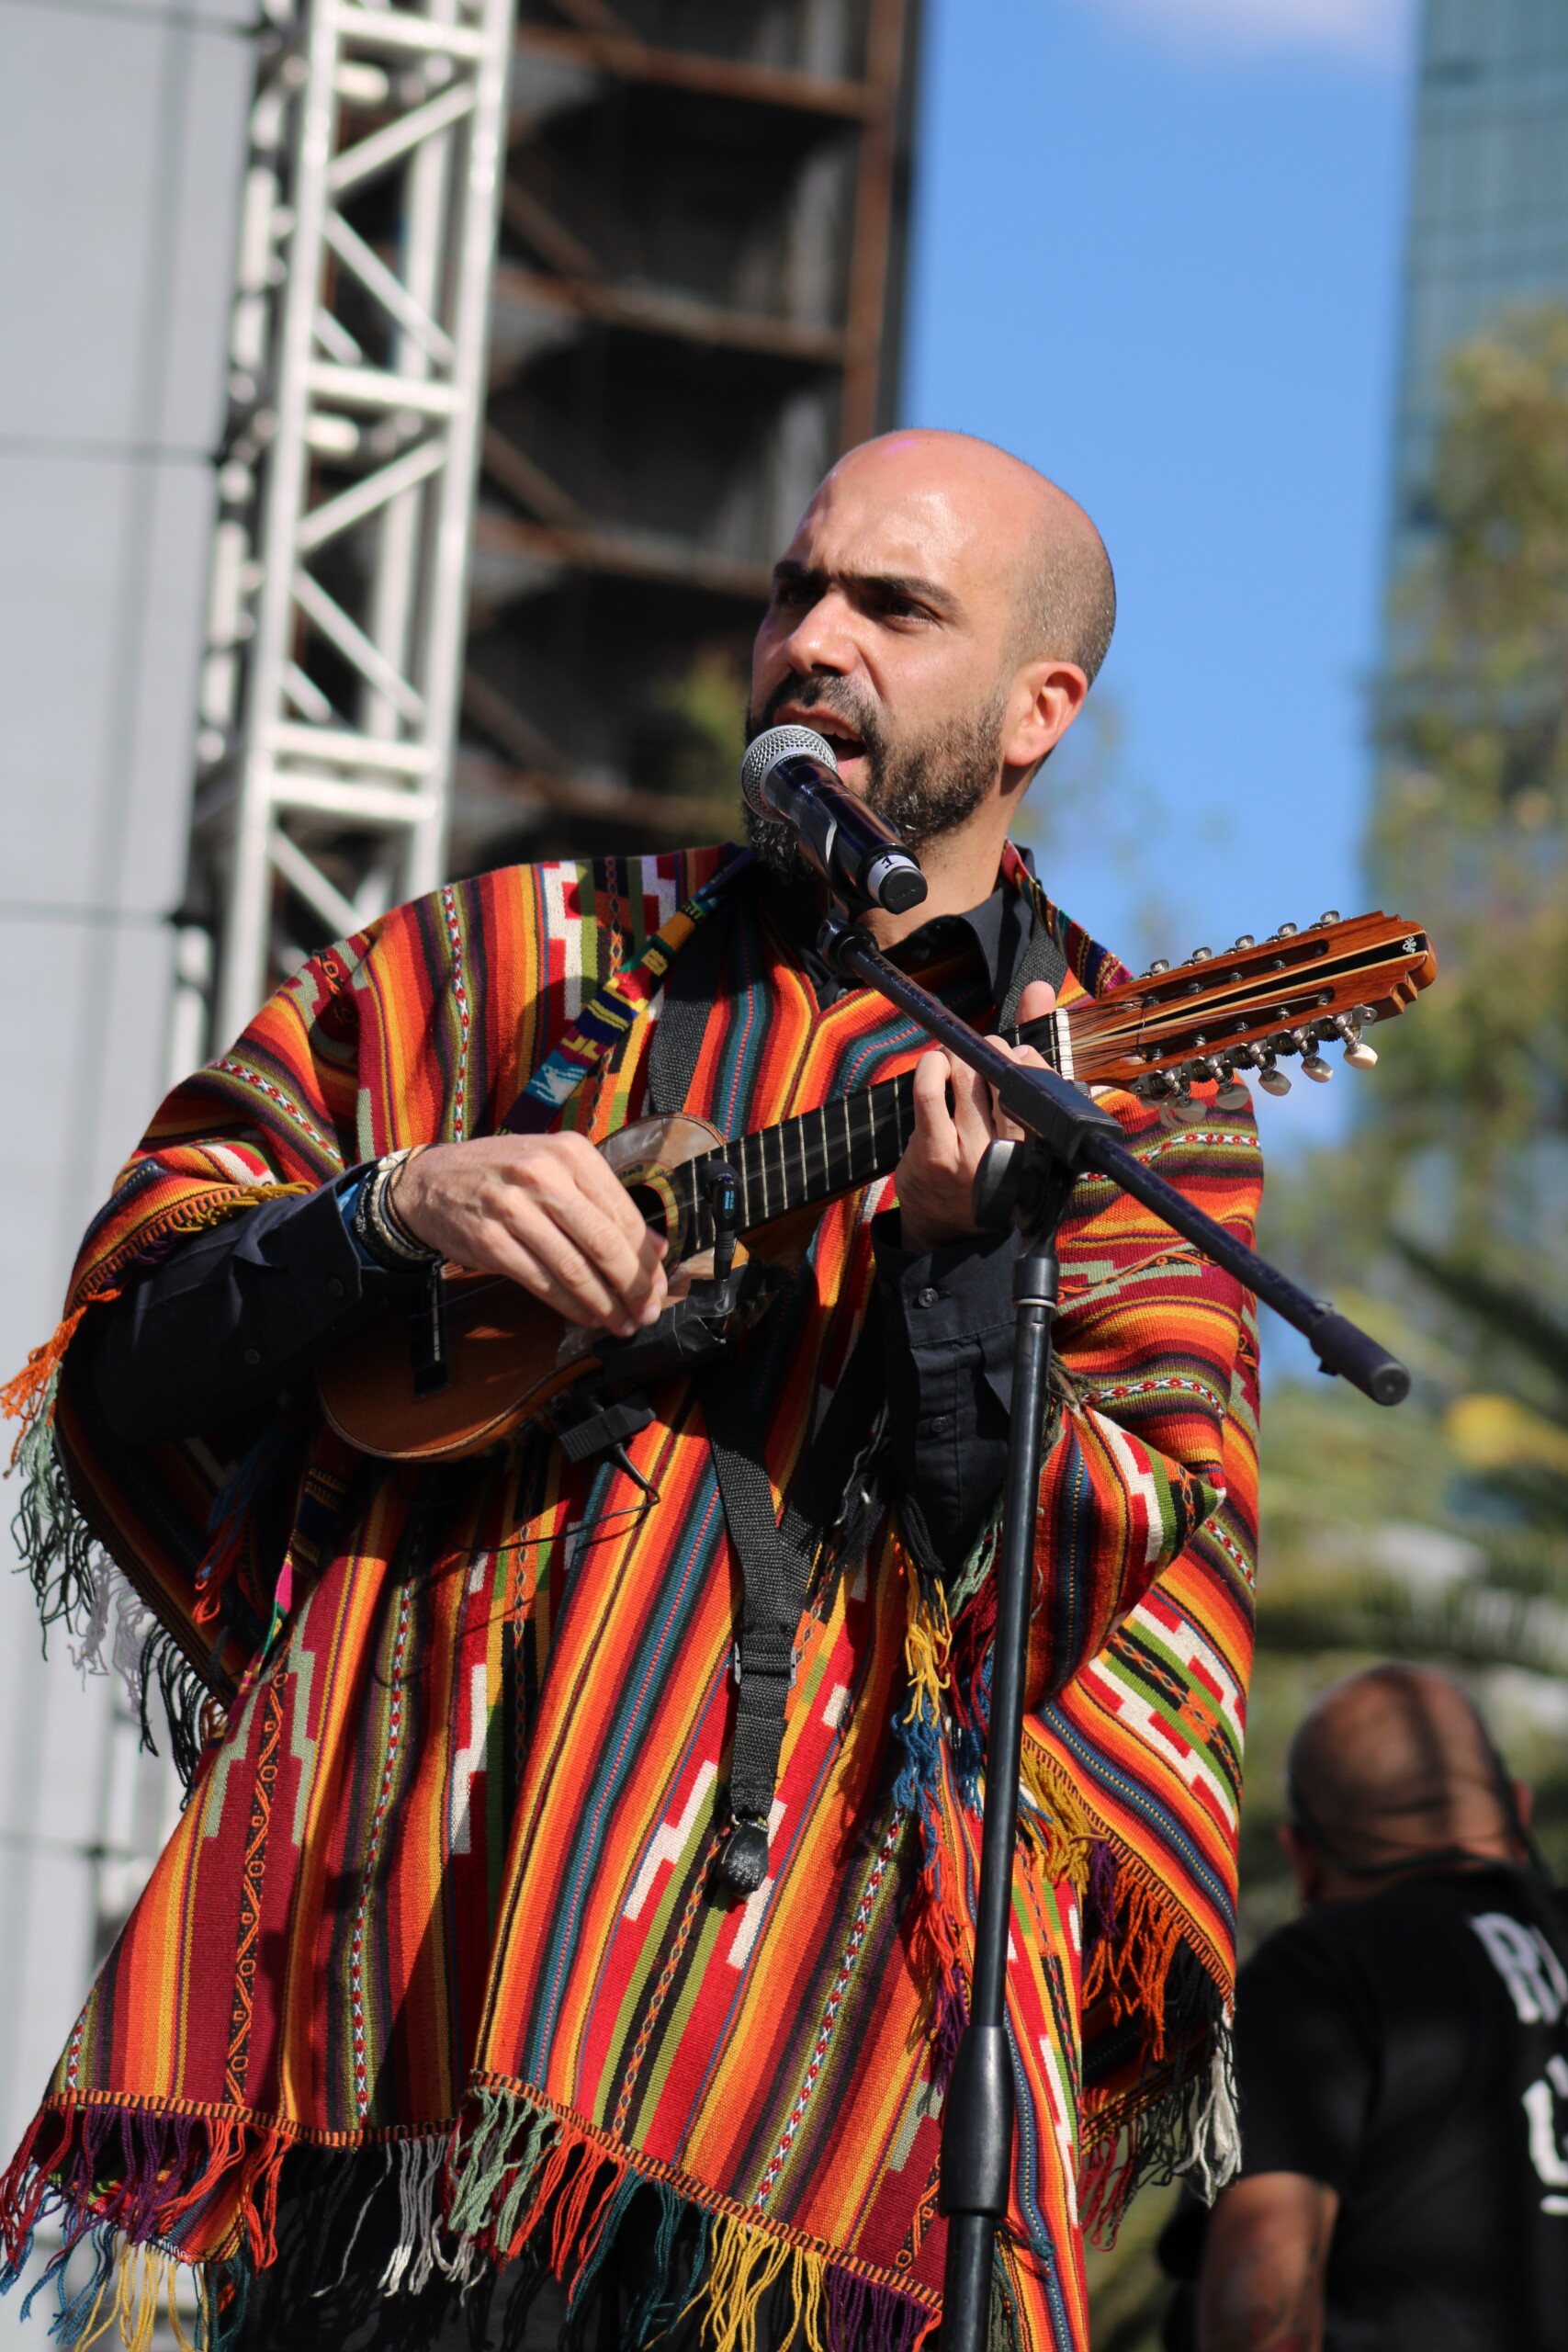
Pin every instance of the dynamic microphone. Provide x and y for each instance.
(790, 772)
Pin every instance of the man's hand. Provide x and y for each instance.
(546, 1212)
(936, 1176)
(1265, 2256)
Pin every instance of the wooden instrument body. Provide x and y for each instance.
(511, 1358)
(513, 1355)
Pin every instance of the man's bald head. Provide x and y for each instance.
(936, 615)
(1394, 1765)
(1063, 589)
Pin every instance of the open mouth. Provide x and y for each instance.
(845, 744)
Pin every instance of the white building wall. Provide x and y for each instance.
(121, 143)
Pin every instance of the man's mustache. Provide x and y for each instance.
(834, 695)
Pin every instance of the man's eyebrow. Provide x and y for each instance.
(888, 583)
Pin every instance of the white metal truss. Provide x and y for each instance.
(336, 613)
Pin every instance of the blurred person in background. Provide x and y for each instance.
(1402, 2058)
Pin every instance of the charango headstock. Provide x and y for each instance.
(1263, 1000)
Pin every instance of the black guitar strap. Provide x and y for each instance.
(1042, 960)
(776, 1559)
(776, 1556)
(686, 1001)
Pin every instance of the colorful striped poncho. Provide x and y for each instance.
(445, 1880)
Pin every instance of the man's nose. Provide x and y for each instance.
(823, 638)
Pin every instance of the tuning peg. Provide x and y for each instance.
(1246, 940)
(1188, 1111)
(1314, 1066)
(1330, 914)
(1272, 1079)
(1356, 1054)
(1287, 931)
(1201, 955)
(1160, 964)
(1233, 1096)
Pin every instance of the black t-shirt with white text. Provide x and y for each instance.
(1410, 2051)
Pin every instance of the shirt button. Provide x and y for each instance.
(927, 1297)
(941, 1426)
(252, 1355)
(334, 1287)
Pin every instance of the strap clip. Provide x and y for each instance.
(763, 1656)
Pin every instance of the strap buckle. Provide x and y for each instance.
(764, 1665)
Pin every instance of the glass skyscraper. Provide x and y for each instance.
(1489, 200)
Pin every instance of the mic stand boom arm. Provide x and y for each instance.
(1068, 1135)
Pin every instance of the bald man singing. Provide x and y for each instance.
(1402, 2055)
(570, 1925)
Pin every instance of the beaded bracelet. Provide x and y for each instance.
(377, 1225)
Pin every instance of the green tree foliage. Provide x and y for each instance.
(1472, 721)
(1439, 1532)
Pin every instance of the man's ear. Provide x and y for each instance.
(1046, 697)
(1306, 1862)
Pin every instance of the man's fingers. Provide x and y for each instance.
(599, 1184)
(548, 1214)
(536, 1271)
(1029, 1058)
(603, 1246)
(1038, 999)
(933, 1120)
(580, 1288)
(972, 1110)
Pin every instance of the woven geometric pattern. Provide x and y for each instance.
(447, 1876)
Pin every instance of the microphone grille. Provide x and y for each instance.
(776, 743)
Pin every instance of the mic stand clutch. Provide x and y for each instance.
(1031, 1183)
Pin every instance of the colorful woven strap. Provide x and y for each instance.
(606, 1018)
(1016, 871)
(1089, 963)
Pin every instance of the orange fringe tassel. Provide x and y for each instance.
(22, 1397)
(1130, 1972)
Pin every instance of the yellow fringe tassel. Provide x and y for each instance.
(807, 2287)
(928, 1644)
(745, 2263)
(144, 2278)
(1063, 1830)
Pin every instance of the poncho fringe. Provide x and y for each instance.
(118, 2160)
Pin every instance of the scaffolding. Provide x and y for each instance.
(336, 600)
(697, 304)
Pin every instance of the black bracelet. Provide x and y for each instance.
(380, 1230)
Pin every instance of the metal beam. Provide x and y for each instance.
(337, 605)
(630, 59)
(886, 32)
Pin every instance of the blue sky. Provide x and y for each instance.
(1157, 254)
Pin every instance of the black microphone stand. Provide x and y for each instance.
(1066, 1135)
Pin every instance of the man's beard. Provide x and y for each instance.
(923, 788)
